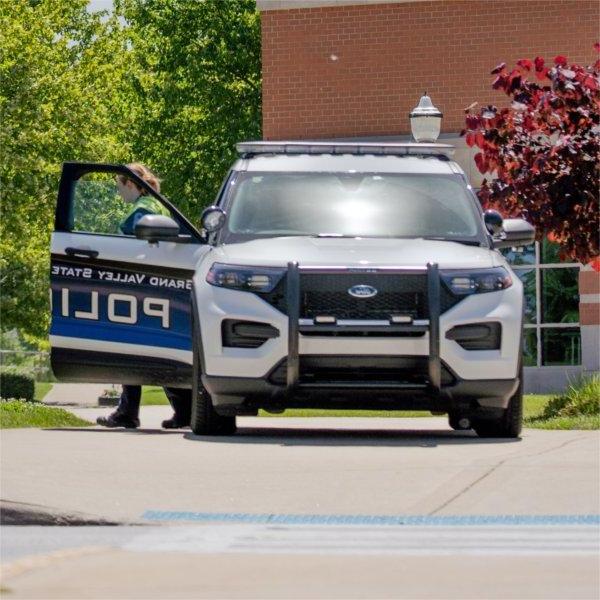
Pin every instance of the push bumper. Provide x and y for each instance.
(439, 388)
(295, 328)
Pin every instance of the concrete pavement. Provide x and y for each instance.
(75, 394)
(279, 465)
(260, 514)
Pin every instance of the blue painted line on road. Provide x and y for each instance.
(423, 520)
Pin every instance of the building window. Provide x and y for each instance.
(552, 336)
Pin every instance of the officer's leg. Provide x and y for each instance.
(181, 401)
(128, 410)
(129, 403)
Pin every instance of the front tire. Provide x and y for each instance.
(510, 423)
(205, 420)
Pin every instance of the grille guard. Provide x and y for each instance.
(432, 326)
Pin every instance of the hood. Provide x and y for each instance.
(354, 252)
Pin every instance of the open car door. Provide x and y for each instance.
(121, 305)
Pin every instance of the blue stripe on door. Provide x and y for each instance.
(116, 332)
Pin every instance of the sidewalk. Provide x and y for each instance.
(75, 394)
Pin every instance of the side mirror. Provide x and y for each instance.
(212, 219)
(493, 221)
(156, 228)
(516, 232)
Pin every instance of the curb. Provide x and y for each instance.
(21, 513)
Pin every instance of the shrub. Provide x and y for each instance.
(544, 150)
(16, 384)
(582, 398)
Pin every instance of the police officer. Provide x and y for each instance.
(127, 412)
(142, 203)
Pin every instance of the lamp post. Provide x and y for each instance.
(425, 120)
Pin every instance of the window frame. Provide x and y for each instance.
(537, 267)
(73, 171)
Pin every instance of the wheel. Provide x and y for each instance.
(205, 420)
(510, 423)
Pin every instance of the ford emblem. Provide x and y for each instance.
(362, 291)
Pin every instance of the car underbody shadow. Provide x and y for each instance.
(293, 436)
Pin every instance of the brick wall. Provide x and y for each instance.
(359, 70)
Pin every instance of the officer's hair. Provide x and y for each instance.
(146, 174)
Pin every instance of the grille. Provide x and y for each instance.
(327, 294)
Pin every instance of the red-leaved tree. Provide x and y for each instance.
(544, 150)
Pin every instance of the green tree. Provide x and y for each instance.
(64, 95)
(172, 83)
(198, 88)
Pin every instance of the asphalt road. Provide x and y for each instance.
(316, 508)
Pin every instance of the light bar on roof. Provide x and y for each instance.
(377, 148)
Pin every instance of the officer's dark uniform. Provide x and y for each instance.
(179, 398)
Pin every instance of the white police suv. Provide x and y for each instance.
(327, 275)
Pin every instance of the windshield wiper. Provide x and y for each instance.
(465, 241)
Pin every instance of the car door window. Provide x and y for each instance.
(97, 206)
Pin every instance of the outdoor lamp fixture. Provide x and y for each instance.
(425, 120)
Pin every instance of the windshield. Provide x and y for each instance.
(351, 204)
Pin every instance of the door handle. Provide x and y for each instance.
(81, 252)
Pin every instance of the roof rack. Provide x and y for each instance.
(247, 149)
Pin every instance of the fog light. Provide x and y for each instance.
(477, 336)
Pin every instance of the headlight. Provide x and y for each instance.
(477, 281)
(248, 279)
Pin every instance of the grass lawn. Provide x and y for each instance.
(533, 406)
(152, 395)
(41, 389)
(17, 413)
(579, 422)
(578, 407)
(320, 412)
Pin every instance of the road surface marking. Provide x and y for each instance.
(384, 520)
(363, 540)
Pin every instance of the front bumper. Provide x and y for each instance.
(451, 375)
(245, 395)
